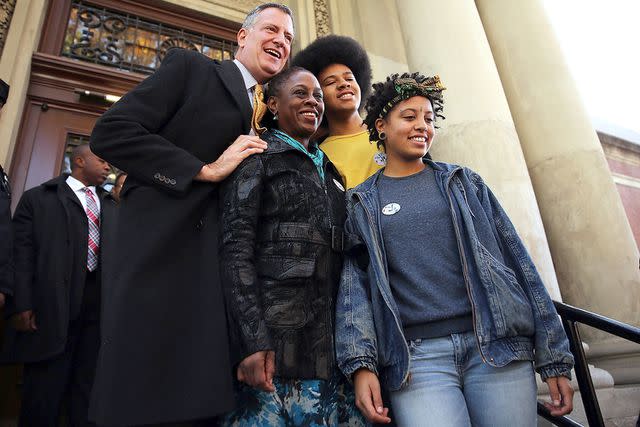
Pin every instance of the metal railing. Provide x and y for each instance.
(571, 316)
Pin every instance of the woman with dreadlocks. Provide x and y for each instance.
(342, 67)
(443, 305)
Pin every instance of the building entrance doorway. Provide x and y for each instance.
(42, 150)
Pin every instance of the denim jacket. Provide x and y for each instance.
(513, 315)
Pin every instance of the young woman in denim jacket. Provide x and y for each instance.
(443, 305)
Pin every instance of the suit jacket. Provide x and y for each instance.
(164, 355)
(50, 256)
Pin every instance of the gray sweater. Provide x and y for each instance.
(425, 271)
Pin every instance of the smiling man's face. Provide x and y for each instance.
(265, 46)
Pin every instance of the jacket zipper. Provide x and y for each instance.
(464, 267)
(328, 293)
(371, 223)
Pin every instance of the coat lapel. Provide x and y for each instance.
(233, 81)
(66, 195)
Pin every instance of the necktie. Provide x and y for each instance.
(93, 217)
(259, 108)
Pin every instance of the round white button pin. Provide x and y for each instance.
(380, 159)
(391, 209)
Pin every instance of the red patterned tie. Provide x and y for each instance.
(93, 217)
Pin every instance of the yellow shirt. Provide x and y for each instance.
(355, 157)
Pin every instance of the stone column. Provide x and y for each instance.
(373, 23)
(15, 68)
(593, 250)
(447, 38)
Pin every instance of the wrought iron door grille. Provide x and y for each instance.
(128, 42)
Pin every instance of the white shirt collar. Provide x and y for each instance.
(249, 80)
(78, 189)
(76, 185)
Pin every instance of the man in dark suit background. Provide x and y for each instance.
(164, 355)
(6, 275)
(56, 303)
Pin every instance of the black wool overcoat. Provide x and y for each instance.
(50, 258)
(164, 355)
(6, 271)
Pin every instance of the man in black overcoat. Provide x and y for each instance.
(55, 306)
(6, 274)
(164, 355)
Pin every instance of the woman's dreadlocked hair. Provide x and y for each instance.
(395, 89)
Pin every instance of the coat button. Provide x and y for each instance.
(200, 224)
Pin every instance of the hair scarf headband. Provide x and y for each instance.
(408, 87)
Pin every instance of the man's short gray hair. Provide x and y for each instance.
(250, 20)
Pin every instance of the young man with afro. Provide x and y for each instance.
(342, 67)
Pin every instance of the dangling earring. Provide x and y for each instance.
(382, 136)
(275, 116)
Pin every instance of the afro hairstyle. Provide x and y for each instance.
(333, 49)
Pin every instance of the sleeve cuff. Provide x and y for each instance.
(258, 342)
(349, 367)
(555, 370)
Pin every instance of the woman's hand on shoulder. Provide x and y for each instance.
(561, 394)
(368, 396)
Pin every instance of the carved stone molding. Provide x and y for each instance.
(6, 12)
(321, 13)
(240, 5)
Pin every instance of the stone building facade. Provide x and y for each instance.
(513, 114)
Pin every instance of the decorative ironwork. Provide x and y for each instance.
(129, 42)
(6, 13)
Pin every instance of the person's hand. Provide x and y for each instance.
(368, 397)
(2, 299)
(561, 394)
(24, 321)
(242, 147)
(258, 369)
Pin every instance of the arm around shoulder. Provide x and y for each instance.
(127, 135)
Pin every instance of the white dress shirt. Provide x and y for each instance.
(78, 189)
(249, 81)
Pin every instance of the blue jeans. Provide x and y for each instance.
(450, 385)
